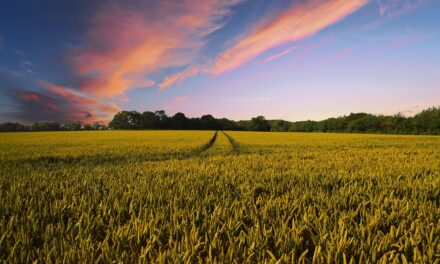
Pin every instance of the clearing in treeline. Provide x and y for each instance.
(206, 196)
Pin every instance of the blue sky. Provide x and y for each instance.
(295, 60)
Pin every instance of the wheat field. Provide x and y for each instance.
(218, 197)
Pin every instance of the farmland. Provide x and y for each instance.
(205, 196)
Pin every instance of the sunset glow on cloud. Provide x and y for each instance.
(278, 55)
(119, 54)
(181, 76)
(102, 57)
(59, 103)
(297, 22)
(93, 110)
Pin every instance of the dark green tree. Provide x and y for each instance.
(259, 123)
(73, 126)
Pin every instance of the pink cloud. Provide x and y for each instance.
(78, 106)
(36, 98)
(278, 55)
(176, 103)
(299, 21)
(180, 76)
(31, 97)
(124, 45)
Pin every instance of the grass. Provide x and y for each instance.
(243, 197)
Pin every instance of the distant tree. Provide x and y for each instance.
(49, 126)
(226, 124)
(386, 124)
(336, 124)
(163, 119)
(400, 124)
(322, 126)
(364, 123)
(259, 123)
(162, 115)
(303, 126)
(97, 126)
(179, 121)
(150, 120)
(12, 127)
(35, 126)
(428, 121)
(126, 120)
(73, 126)
(244, 125)
(135, 119)
(88, 127)
(208, 122)
(279, 126)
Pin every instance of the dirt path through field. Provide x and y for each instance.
(234, 144)
(209, 144)
(221, 146)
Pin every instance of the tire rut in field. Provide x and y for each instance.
(104, 159)
(234, 143)
(208, 145)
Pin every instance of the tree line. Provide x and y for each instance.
(426, 122)
(50, 126)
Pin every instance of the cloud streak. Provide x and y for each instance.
(80, 106)
(58, 103)
(299, 21)
(126, 44)
(392, 8)
(278, 55)
(180, 76)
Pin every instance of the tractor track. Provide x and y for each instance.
(234, 143)
(208, 145)
(118, 159)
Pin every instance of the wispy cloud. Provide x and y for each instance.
(126, 44)
(299, 21)
(81, 106)
(392, 8)
(59, 103)
(176, 103)
(278, 55)
(19, 53)
(180, 76)
(27, 66)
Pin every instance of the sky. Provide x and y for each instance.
(283, 59)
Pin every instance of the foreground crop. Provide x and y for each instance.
(172, 196)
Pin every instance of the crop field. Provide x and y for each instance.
(206, 196)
